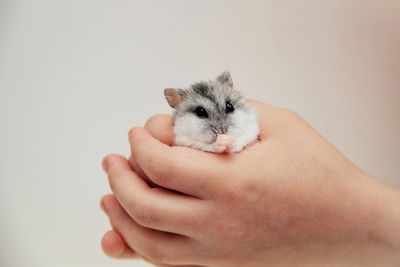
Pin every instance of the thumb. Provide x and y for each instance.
(160, 127)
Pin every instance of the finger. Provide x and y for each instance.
(114, 246)
(136, 168)
(160, 126)
(155, 208)
(155, 246)
(177, 168)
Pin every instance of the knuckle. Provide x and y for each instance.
(160, 170)
(228, 230)
(292, 115)
(161, 253)
(231, 193)
(144, 215)
(154, 252)
(249, 189)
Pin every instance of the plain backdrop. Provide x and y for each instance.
(76, 75)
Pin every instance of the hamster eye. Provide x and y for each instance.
(229, 107)
(201, 112)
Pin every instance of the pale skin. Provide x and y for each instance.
(290, 199)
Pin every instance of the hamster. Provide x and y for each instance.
(212, 116)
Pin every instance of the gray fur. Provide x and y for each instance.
(212, 96)
(225, 78)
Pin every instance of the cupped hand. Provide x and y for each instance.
(291, 198)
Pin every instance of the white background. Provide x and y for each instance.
(75, 76)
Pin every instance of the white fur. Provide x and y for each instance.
(245, 129)
(193, 132)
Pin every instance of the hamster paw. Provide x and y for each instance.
(224, 143)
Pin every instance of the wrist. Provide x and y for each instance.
(385, 204)
(360, 225)
(377, 220)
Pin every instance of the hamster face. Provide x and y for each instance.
(209, 109)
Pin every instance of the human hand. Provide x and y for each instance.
(291, 198)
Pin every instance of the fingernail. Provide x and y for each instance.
(105, 165)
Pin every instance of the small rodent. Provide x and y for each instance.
(212, 116)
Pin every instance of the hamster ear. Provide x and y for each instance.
(174, 96)
(225, 78)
